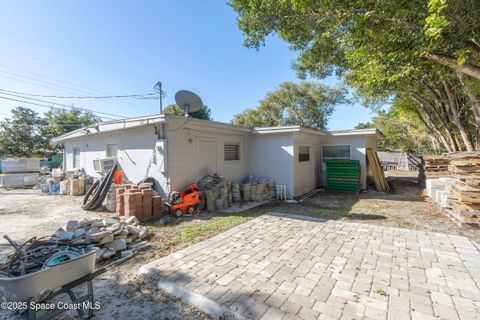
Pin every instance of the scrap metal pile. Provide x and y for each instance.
(109, 237)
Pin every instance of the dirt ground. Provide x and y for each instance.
(406, 207)
(124, 294)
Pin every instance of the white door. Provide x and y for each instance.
(207, 157)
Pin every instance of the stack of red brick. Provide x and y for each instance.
(141, 202)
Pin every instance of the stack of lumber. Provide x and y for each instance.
(465, 194)
(381, 182)
(436, 167)
(343, 175)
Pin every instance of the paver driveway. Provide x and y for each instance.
(285, 267)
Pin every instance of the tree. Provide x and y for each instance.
(330, 35)
(26, 134)
(306, 103)
(203, 113)
(403, 131)
(60, 121)
(21, 134)
(426, 52)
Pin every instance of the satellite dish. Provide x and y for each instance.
(188, 101)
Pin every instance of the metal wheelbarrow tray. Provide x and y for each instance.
(19, 289)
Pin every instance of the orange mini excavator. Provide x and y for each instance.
(187, 201)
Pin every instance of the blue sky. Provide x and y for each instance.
(124, 47)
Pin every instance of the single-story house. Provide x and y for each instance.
(177, 150)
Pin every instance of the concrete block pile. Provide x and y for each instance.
(109, 236)
(439, 190)
(19, 173)
(221, 193)
(141, 202)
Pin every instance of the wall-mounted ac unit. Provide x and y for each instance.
(103, 165)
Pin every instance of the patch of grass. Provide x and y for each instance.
(198, 229)
(380, 292)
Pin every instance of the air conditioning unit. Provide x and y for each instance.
(104, 165)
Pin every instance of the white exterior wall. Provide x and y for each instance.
(357, 151)
(272, 156)
(183, 164)
(136, 154)
(307, 174)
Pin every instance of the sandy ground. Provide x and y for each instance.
(406, 207)
(26, 213)
(122, 295)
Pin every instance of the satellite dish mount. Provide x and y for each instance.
(188, 101)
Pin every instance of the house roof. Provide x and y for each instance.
(356, 132)
(352, 132)
(116, 125)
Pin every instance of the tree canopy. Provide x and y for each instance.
(306, 103)
(423, 55)
(203, 113)
(28, 134)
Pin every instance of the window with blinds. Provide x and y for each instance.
(232, 152)
(303, 153)
(76, 158)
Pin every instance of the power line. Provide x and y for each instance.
(136, 96)
(41, 83)
(62, 82)
(50, 107)
(62, 105)
(38, 43)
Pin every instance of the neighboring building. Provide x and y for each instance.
(176, 150)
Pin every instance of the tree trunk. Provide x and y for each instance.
(435, 133)
(452, 63)
(454, 108)
(435, 117)
(474, 99)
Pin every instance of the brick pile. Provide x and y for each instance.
(141, 202)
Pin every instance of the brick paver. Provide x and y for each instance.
(290, 267)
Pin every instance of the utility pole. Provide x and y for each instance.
(158, 88)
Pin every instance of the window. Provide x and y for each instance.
(76, 157)
(232, 152)
(303, 153)
(112, 150)
(336, 152)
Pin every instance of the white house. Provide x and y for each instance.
(176, 150)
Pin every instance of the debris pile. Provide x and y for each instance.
(75, 183)
(109, 237)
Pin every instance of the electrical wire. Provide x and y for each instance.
(38, 43)
(46, 106)
(136, 96)
(62, 88)
(63, 105)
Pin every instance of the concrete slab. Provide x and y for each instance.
(295, 267)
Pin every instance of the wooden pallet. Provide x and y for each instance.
(458, 220)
